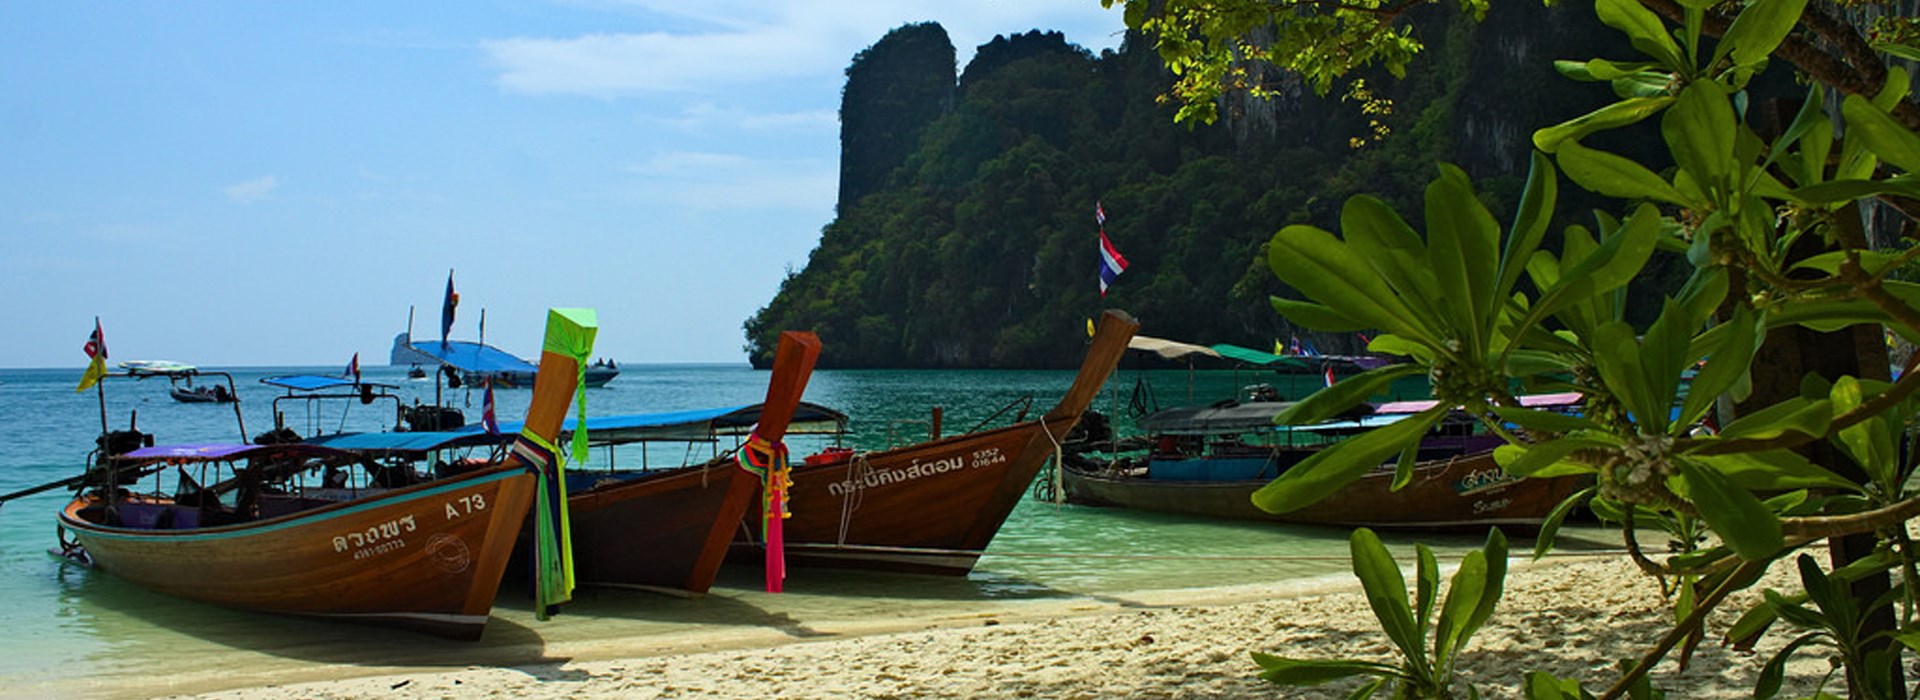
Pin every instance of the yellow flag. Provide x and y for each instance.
(1089, 328)
(96, 349)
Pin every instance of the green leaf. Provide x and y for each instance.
(1613, 116)
(1426, 590)
(1332, 468)
(1376, 234)
(1733, 512)
(1611, 265)
(1616, 176)
(1882, 135)
(1797, 415)
(1530, 221)
(1541, 685)
(1774, 672)
(1386, 593)
(1550, 528)
(1547, 459)
(1870, 442)
(1345, 394)
(1493, 585)
(1775, 470)
(1403, 467)
(1644, 29)
(1463, 596)
(1727, 364)
(1463, 250)
(1318, 317)
(1758, 30)
(1699, 131)
(1295, 672)
(1326, 271)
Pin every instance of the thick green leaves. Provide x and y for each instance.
(1386, 592)
(1733, 512)
(1643, 28)
(1295, 672)
(1727, 364)
(1612, 116)
(1463, 250)
(1326, 270)
(1758, 30)
(1774, 470)
(1332, 468)
(1615, 176)
(1882, 135)
(1799, 415)
(1471, 596)
(1530, 221)
(1548, 459)
(1699, 131)
(1318, 317)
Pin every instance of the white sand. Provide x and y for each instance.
(1572, 617)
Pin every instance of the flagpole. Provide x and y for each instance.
(100, 388)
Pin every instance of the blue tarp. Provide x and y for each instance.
(420, 442)
(697, 424)
(468, 356)
(317, 382)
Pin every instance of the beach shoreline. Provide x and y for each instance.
(1574, 616)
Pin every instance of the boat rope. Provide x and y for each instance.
(1059, 490)
(857, 470)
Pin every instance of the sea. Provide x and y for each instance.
(68, 631)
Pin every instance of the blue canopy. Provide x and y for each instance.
(317, 382)
(416, 443)
(469, 356)
(696, 424)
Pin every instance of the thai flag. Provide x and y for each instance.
(487, 416)
(1099, 214)
(1111, 263)
(353, 368)
(1329, 376)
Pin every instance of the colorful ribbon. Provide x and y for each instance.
(768, 460)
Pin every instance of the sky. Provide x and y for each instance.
(247, 183)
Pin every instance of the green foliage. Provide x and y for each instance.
(1427, 665)
(1768, 221)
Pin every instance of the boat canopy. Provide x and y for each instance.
(469, 356)
(187, 453)
(317, 382)
(412, 444)
(1559, 400)
(697, 424)
(1211, 420)
(1169, 349)
(1175, 350)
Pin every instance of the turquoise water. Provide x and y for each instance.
(68, 630)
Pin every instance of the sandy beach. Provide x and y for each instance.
(1573, 616)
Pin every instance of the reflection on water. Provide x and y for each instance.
(70, 631)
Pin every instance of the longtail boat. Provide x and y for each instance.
(672, 528)
(930, 507)
(367, 542)
(1208, 461)
(654, 527)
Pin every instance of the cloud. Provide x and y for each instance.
(705, 116)
(716, 47)
(724, 181)
(252, 190)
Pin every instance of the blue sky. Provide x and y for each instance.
(246, 183)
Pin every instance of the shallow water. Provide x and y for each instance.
(68, 630)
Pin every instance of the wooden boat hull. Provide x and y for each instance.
(427, 557)
(1469, 491)
(927, 508)
(669, 529)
